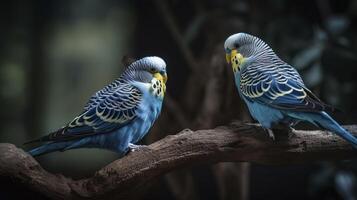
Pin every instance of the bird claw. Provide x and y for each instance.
(270, 134)
(291, 132)
(134, 147)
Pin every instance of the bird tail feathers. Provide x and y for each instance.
(47, 148)
(325, 121)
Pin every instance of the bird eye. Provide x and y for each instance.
(152, 70)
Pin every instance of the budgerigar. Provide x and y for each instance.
(116, 117)
(273, 90)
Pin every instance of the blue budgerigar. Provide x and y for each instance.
(273, 90)
(116, 117)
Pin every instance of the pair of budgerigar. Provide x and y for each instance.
(121, 114)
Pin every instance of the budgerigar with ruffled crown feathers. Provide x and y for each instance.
(273, 90)
(116, 117)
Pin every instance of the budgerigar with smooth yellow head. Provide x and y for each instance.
(116, 117)
(273, 90)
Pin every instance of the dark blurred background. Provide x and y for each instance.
(55, 54)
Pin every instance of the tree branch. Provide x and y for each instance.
(170, 22)
(122, 178)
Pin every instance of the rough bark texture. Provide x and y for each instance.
(122, 178)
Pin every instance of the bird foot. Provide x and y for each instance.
(134, 147)
(270, 133)
(291, 132)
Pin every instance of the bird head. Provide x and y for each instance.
(241, 46)
(234, 47)
(146, 69)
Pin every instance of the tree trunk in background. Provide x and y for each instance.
(37, 76)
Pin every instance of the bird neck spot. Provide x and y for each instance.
(237, 60)
(158, 88)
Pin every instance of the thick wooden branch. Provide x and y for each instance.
(122, 178)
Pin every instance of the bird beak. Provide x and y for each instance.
(164, 77)
(228, 58)
(231, 55)
(161, 76)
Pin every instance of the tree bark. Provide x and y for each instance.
(122, 178)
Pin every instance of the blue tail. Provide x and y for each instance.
(323, 120)
(48, 148)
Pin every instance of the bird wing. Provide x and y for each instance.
(98, 97)
(279, 86)
(109, 109)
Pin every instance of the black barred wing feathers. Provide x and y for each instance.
(278, 85)
(110, 108)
